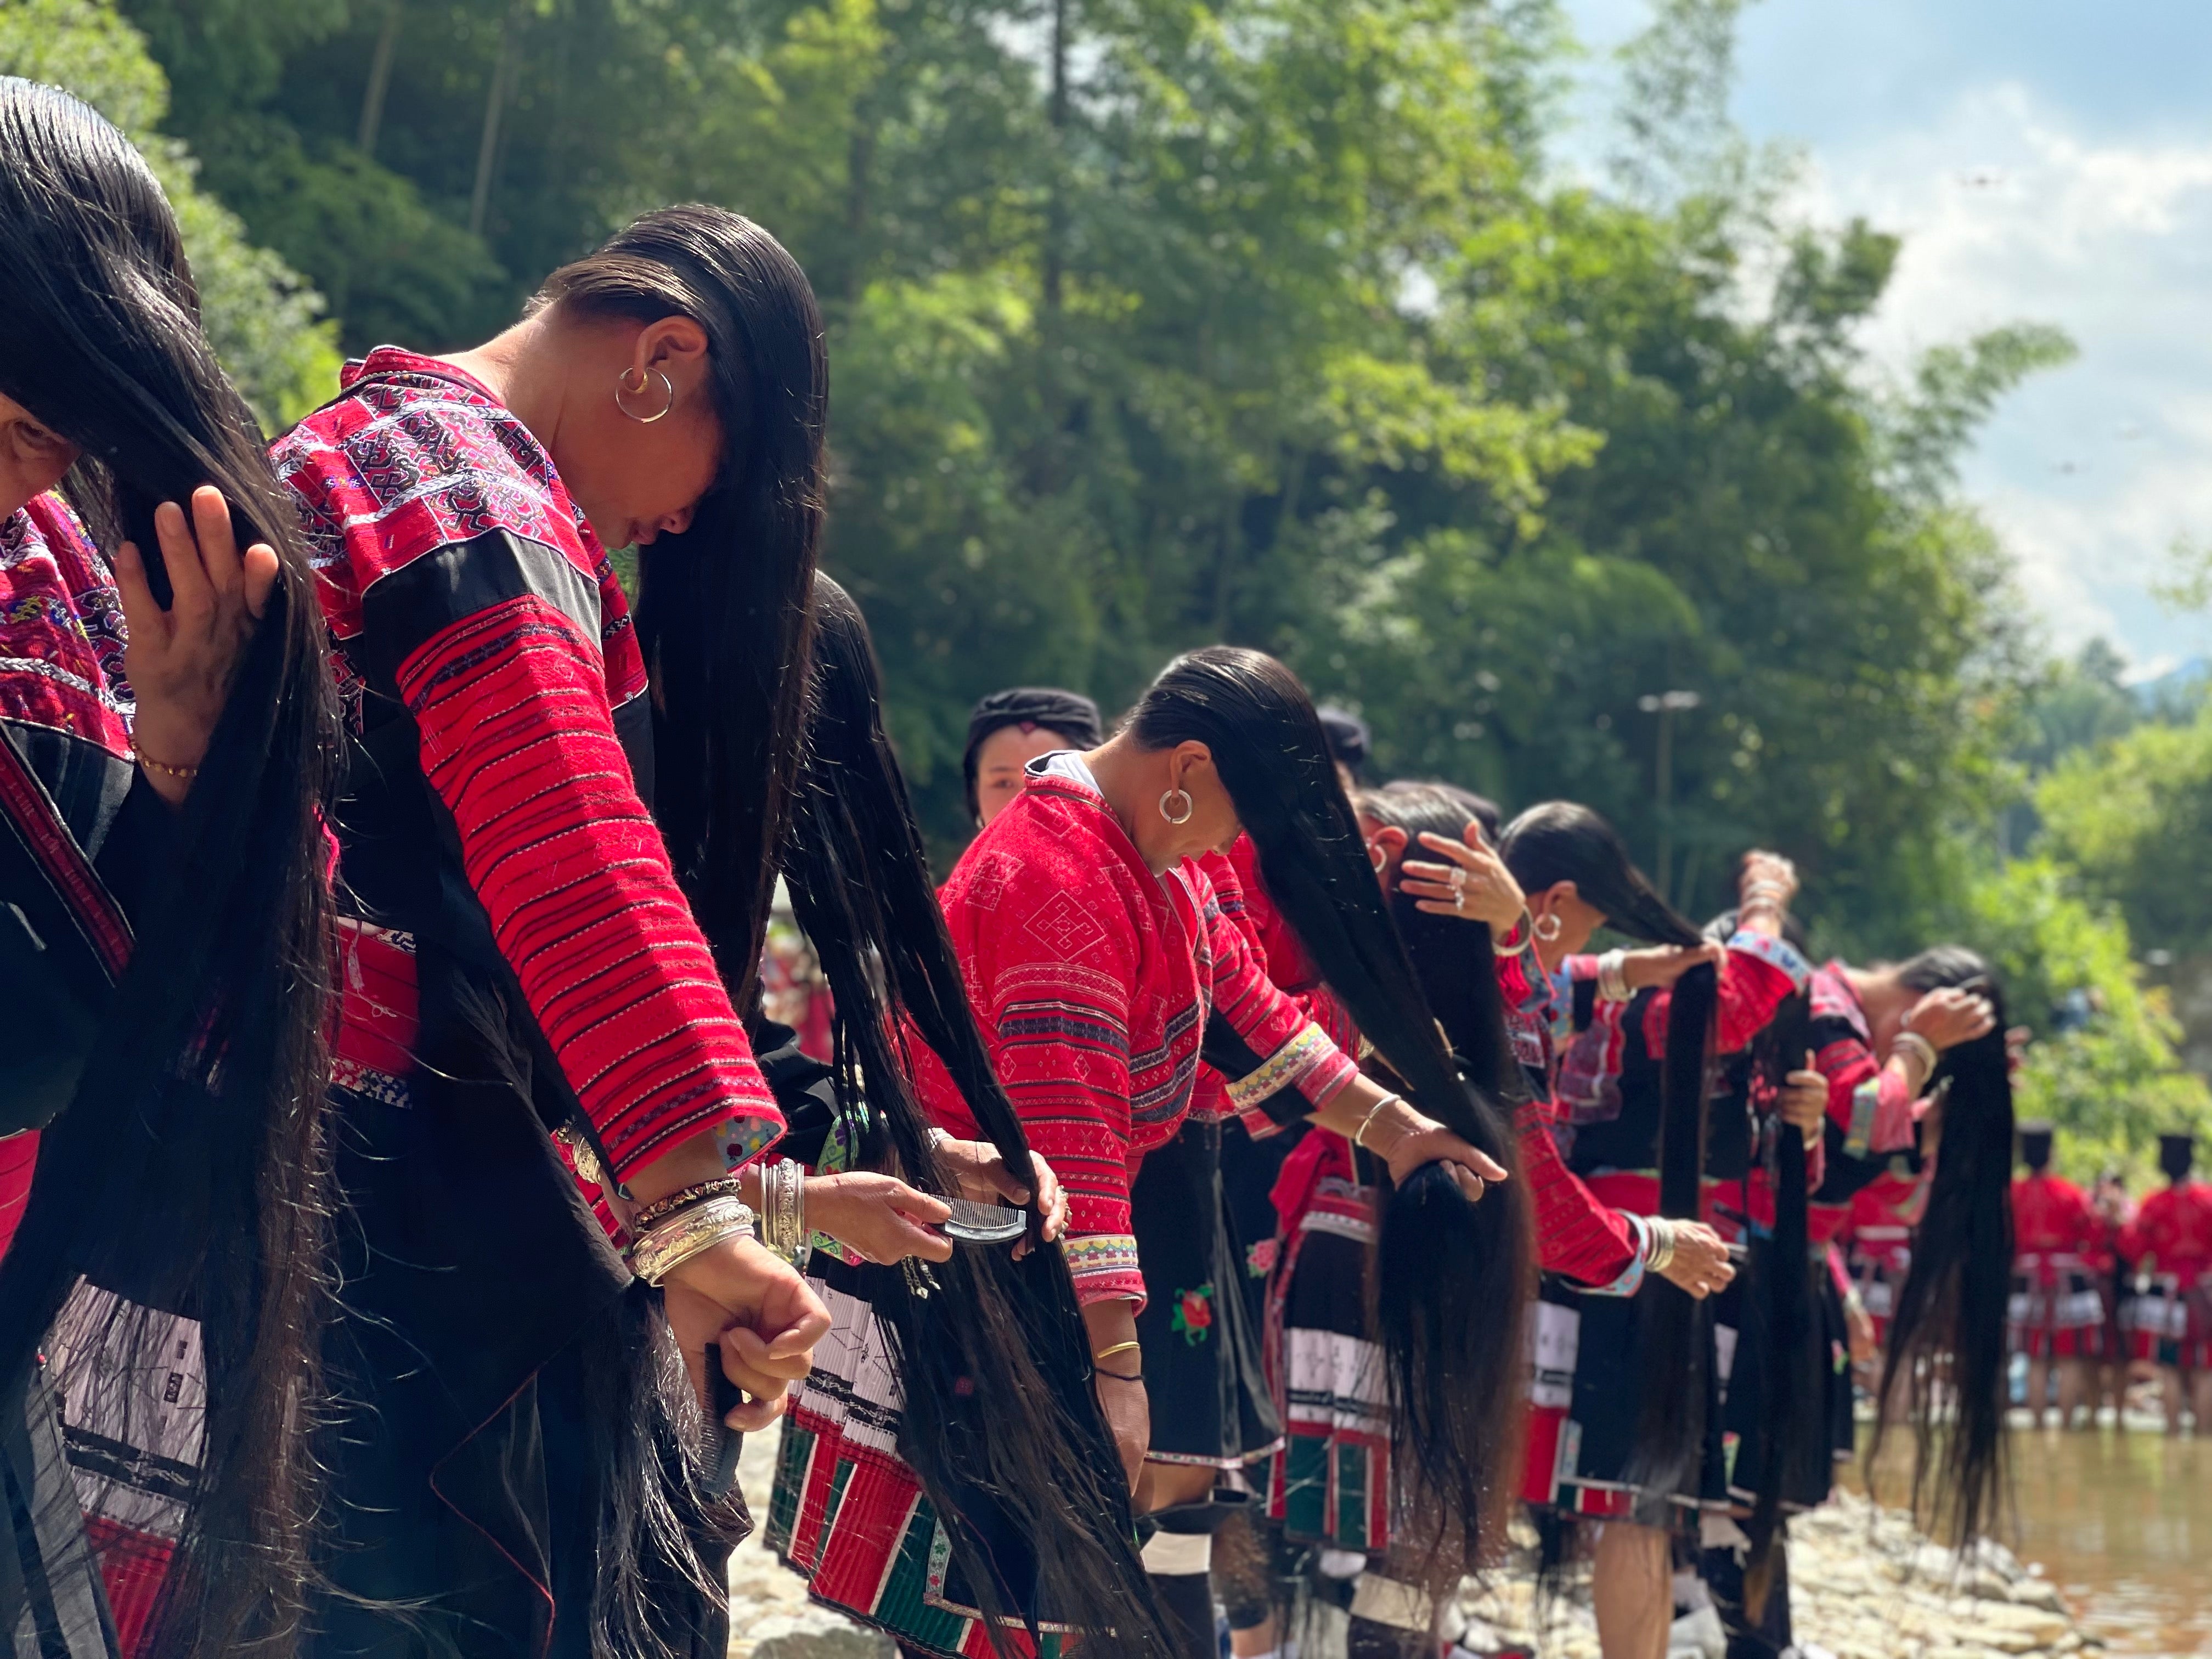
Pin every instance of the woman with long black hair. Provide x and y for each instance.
(1914, 1056)
(528, 991)
(952, 1401)
(1094, 947)
(1333, 1485)
(167, 732)
(1632, 1089)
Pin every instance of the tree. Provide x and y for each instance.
(262, 317)
(2134, 816)
(2103, 1066)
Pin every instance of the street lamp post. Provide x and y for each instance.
(1664, 704)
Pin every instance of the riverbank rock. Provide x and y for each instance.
(1864, 1585)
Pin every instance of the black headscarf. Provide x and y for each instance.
(1069, 715)
(1348, 737)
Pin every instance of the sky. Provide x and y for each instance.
(2046, 161)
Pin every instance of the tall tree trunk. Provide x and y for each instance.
(502, 73)
(1055, 229)
(380, 78)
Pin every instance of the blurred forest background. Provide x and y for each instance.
(1154, 322)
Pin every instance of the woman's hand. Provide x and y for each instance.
(1473, 882)
(1662, 964)
(1701, 1264)
(766, 1320)
(180, 661)
(1948, 1018)
(879, 1216)
(1429, 1142)
(1768, 869)
(1803, 1103)
(979, 1173)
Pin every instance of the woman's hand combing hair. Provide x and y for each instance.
(180, 660)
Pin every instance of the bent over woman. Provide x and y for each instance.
(527, 991)
(162, 937)
(1095, 948)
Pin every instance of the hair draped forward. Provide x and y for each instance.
(723, 613)
(187, 1171)
(1452, 1340)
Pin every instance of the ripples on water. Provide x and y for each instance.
(2122, 1522)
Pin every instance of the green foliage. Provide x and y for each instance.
(1154, 324)
(2103, 1066)
(2134, 816)
(259, 312)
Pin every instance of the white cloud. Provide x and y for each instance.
(2008, 212)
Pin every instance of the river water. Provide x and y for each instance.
(2122, 1522)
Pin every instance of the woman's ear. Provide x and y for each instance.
(674, 346)
(1188, 759)
(1390, 842)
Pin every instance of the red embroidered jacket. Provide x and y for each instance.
(2052, 1217)
(459, 579)
(2171, 1232)
(1092, 979)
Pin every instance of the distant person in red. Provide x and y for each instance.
(2169, 1244)
(2057, 1315)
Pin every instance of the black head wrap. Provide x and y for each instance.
(2035, 1146)
(1347, 737)
(2175, 1153)
(1069, 715)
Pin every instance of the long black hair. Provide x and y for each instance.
(1451, 1340)
(1458, 972)
(999, 1421)
(1560, 840)
(189, 1166)
(1947, 1337)
(1795, 1432)
(723, 609)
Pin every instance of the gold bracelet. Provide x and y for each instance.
(1119, 1347)
(686, 1234)
(184, 774)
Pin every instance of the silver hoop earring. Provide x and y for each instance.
(623, 387)
(1183, 814)
(1379, 859)
(1555, 927)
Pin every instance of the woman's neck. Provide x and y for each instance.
(521, 368)
(1124, 775)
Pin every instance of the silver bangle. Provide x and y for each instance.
(1359, 1135)
(783, 1202)
(1918, 1047)
(669, 1244)
(1613, 977)
(1658, 1243)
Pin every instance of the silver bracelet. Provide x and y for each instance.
(1359, 1135)
(783, 1205)
(1658, 1244)
(1919, 1047)
(1613, 977)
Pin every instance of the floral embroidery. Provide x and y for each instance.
(1260, 1259)
(1193, 1314)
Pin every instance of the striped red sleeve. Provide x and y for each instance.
(1576, 1235)
(517, 739)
